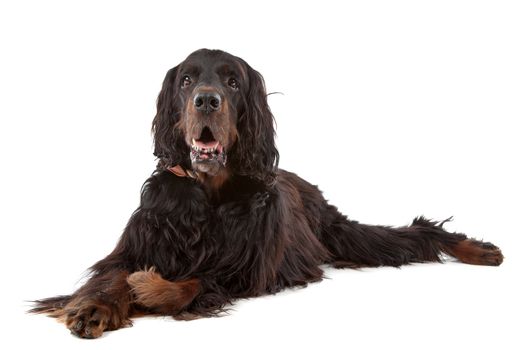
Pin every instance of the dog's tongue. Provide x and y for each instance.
(209, 144)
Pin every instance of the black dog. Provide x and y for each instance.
(218, 220)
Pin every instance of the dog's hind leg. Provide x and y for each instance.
(352, 244)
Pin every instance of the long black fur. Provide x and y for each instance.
(263, 229)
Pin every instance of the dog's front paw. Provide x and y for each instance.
(89, 319)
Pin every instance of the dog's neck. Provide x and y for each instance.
(211, 184)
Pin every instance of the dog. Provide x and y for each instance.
(218, 220)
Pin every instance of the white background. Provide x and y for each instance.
(394, 108)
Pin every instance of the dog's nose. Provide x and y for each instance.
(207, 101)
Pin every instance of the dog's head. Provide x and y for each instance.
(212, 114)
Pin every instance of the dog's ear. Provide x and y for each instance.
(254, 154)
(170, 147)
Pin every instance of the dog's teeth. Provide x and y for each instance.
(217, 148)
(195, 147)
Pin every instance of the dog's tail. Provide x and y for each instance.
(53, 306)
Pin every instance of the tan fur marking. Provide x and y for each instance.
(473, 252)
(153, 291)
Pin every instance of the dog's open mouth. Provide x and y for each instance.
(206, 148)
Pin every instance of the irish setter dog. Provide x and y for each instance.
(218, 220)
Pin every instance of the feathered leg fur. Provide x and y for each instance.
(352, 244)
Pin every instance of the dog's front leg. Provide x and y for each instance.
(161, 296)
(102, 304)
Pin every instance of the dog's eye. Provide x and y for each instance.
(186, 80)
(233, 83)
